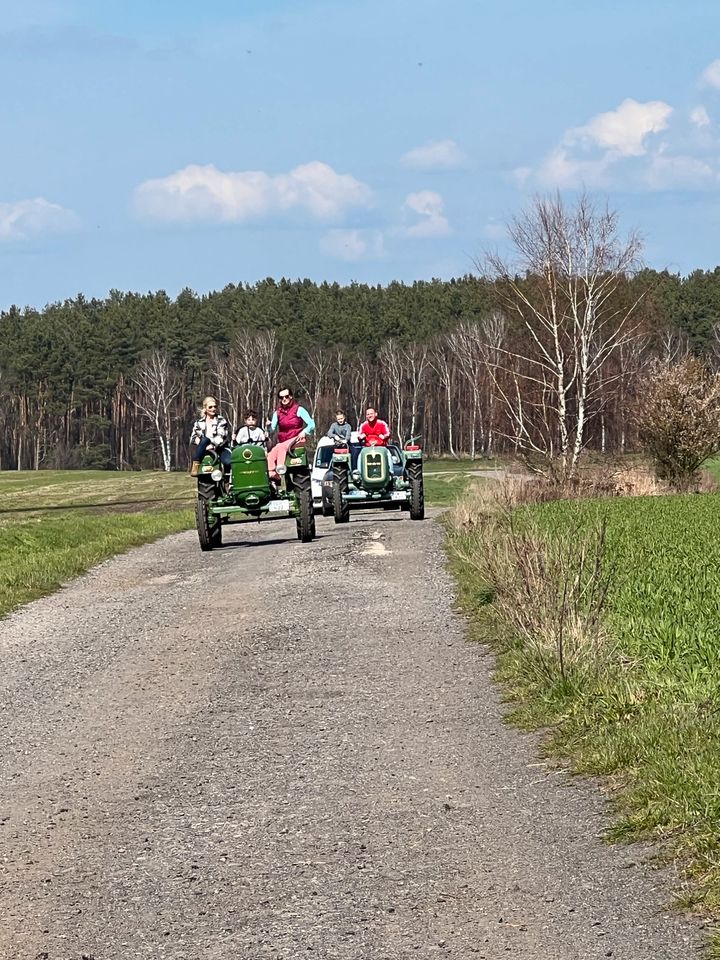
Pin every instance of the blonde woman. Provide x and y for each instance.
(210, 432)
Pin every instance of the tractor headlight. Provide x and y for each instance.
(356, 475)
(282, 470)
(216, 475)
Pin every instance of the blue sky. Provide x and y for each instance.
(163, 144)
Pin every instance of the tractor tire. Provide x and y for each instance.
(305, 523)
(206, 491)
(209, 534)
(341, 509)
(217, 534)
(417, 493)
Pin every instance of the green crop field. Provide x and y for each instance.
(650, 718)
(713, 467)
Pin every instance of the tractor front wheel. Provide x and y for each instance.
(209, 529)
(417, 493)
(305, 521)
(341, 508)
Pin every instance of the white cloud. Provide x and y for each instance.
(353, 244)
(26, 218)
(699, 117)
(430, 206)
(672, 172)
(625, 129)
(604, 148)
(711, 75)
(561, 169)
(435, 155)
(206, 193)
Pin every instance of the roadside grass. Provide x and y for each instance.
(55, 525)
(443, 490)
(640, 704)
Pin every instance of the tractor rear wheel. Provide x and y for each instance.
(417, 492)
(341, 508)
(305, 521)
(209, 529)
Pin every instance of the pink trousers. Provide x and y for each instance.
(278, 453)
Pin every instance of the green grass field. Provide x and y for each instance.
(54, 525)
(444, 465)
(649, 718)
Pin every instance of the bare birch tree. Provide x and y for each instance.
(390, 356)
(416, 359)
(562, 290)
(318, 365)
(442, 360)
(360, 377)
(477, 347)
(266, 355)
(158, 384)
(247, 375)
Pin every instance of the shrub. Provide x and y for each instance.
(679, 420)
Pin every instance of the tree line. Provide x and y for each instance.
(542, 356)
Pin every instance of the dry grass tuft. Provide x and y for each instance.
(547, 596)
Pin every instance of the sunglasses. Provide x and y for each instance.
(284, 396)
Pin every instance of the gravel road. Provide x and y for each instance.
(285, 750)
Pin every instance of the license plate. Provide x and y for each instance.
(279, 506)
(398, 495)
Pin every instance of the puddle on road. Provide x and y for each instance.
(376, 548)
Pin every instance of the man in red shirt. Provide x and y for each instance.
(373, 431)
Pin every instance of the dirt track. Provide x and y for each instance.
(278, 750)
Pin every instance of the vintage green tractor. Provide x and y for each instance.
(377, 480)
(243, 492)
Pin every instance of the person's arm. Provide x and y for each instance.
(307, 420)
(386, 427)
(361, 430)
(346, 432)
(196, 433)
